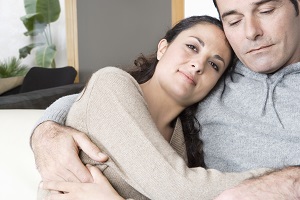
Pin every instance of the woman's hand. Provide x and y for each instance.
(99, 189)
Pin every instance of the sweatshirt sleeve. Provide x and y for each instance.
(58, 111)
(118, 121)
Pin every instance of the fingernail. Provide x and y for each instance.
(102, 156)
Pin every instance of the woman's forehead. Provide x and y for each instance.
(204, 28)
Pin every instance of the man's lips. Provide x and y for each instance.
(259, 48)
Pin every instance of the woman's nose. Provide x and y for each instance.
(198, 68)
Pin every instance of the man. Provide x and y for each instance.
(249, 121)
(261, 102)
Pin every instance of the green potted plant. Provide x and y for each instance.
(12, 67)
(12, 73)
(39, 16)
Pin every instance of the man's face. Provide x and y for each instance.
(265, 34)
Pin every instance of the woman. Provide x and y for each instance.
(148, 116)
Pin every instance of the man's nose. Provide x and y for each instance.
(253, 28)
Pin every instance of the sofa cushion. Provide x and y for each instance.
(38, 99)
(39, 78)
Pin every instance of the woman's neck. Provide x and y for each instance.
(163, 110)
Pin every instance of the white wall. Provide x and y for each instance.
(12, 29)
(199, 7)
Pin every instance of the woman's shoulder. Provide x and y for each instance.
(111, 72)
(114, 77)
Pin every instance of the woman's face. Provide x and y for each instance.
(190, 66)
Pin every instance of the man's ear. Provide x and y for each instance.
(161, 48)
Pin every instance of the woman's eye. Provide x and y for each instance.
(190, 46)
(214, 65)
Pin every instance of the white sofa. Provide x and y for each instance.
(18, 175)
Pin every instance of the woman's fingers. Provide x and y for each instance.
(57, 197)
(58, 186)
(97, 174)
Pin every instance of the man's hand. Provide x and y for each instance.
(278, 185)
(56, 148)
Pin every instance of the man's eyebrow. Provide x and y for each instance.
(258, 3)
(231, 12)
(264, 1)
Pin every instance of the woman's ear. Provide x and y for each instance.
(161, 48)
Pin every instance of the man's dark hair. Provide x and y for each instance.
(294, 2)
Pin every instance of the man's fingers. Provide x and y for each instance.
(89, 148)
(56, 153)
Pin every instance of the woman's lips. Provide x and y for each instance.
(189, 77)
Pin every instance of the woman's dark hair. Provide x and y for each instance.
(144, 70)
(294, 2)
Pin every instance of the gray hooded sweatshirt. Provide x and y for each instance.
(252, 120)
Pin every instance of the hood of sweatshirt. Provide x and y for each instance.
(268, 93)
(251, 120)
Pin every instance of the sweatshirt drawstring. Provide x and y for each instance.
(270, 97)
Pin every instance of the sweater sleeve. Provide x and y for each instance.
(118, 122)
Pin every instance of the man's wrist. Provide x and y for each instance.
(41, 131)
(284, 182)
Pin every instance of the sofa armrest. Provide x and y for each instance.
(19, 176)
(38, 99)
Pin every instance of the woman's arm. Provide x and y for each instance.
(118, 121)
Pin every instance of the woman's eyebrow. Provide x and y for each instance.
(219, 58)
(199, 40)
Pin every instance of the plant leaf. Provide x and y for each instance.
(12, 67)
(30, 6)
(25, 51)
(49, 9)
(45, 55)
(34, 24)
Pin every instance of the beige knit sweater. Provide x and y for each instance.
(142, 163)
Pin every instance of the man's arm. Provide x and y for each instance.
(57, 112)
(55, 145)
(50, 146)
(277, 185)
(281, 184)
